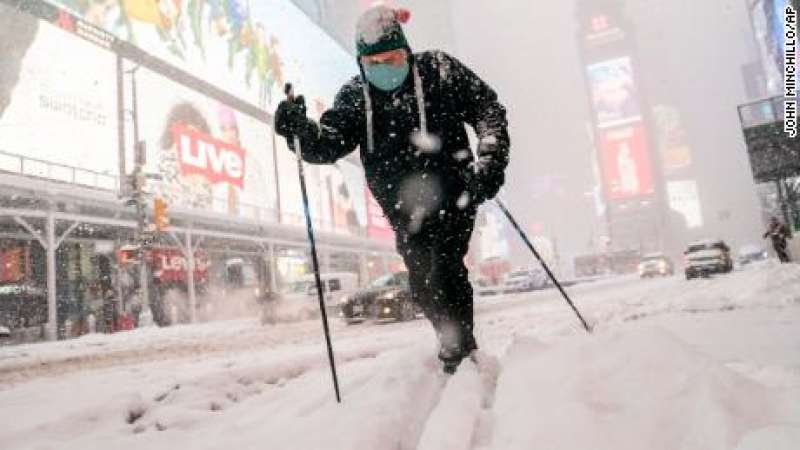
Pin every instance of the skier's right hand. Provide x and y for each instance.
(290, 117)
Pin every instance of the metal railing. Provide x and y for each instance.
(38, 168)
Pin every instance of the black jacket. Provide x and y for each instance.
(455, 97)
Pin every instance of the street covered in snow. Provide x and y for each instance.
(706, 364)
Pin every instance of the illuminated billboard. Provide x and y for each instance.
(249, 49)
(613, 89)
(626, 163)
(58, 99)
(343, 186)
(685, 199)
(378, 226)
(210, 157)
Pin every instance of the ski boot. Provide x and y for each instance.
(452, 352)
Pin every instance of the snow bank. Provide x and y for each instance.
(631, 389)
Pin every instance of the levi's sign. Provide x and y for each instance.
(204, 155)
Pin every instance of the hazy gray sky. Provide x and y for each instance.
(690, 54)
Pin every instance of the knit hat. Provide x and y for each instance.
(379, 30)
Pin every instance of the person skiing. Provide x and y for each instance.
(407, 112)
(778, 233)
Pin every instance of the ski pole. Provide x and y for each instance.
(541, 261)
(314, 259)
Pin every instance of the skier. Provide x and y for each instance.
(778, 233)
(408, 112)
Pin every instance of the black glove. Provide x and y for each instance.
(484, 185)
(489, 172)
(290, 117)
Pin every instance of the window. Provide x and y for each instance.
(334, 285)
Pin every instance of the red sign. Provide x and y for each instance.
(378, 225)
(169, 265)
(626, 162)
(201, 154)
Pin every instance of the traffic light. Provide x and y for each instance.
(160, 215)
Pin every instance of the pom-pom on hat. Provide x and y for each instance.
(379, 30)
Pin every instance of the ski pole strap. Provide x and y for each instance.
(368, 109)
(419, 94)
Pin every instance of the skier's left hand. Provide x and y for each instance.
(489, 174)
(484, 185)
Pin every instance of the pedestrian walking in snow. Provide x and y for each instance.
(407, 112)
(779, 234)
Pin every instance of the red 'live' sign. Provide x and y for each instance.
(201, 154)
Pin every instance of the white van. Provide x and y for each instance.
(335, 285)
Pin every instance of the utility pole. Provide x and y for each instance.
(139, 199)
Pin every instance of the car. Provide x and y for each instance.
(22, 305)
(749, 254)
(524, 280)
(386, 298)
(5, 332)
(707, 257)
(483, 287)
(655, 265)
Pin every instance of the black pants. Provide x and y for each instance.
(780, 250)
(434, 256)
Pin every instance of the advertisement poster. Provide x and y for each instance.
(491, 229)
(684, 198)
(58, 101)
(626, 163)
(210, 157)
(343, 186)
(248, 48)
(672, 139)
(378, 225)
(292, 212)
(613, 90)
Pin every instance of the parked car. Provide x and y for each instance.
(22, 305)
(524, 280)
(386, 298)
(704, 258)
(483, 287)
(655, 265)
(749, 254)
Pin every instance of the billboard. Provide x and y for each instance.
(614, 96)
(626, 165)
(378, 226)
(685, 199)
(210, 157)
(343, 186)
(248, 49)
(671, 139)
(58, 99)
(768, 19)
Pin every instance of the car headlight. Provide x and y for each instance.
(257, 292)
(344, 300)
(662, 265)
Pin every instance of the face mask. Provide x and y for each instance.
(386, 77)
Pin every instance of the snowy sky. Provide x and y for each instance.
(690, 58)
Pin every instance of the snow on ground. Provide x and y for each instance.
(706, 364)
